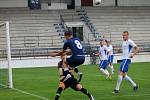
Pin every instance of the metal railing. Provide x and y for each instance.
(35, 41)
(22, 53)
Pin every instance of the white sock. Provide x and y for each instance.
(130, 80)
(112, 69)
(104, 72)
(119, 82)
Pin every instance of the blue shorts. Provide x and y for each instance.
(103, 64)
(110, 59)
(74, 61)
(124, 65)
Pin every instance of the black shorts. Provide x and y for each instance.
(75, 61)
(71, 82)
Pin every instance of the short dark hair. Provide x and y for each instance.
(125, 32)
(106, 41)
(68, 33)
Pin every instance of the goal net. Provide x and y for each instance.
(5, 56)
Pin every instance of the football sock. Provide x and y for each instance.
(119, 82)
(112, 69)
(59, 90)
(85, 91)
(130, 80)
(104, 72)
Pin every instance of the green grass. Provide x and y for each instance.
(44, 82)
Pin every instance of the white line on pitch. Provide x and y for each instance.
(125, 96)
(24, 92)
(121, 96)
(143, 79)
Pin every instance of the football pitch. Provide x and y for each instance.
(41, 84)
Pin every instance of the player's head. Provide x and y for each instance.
(102, 42)
(105, 42)
(108, 42)
(125, 35)
(68, 34)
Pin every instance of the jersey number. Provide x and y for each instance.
(79, 46)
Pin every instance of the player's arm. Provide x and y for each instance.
(67, 52)
(61, 52)
(62, 77)
(109, 51)
(97, 53)
(61, 74)
(135, 49)
(55, 53)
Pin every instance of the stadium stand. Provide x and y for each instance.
(33, 31)
(112, 21)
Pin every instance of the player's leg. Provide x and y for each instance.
(103, 65)
(108, 75)
(126, 77)
(59, 90)
(74, 84)
(135, 87)
(110, 60)
(74, 62)
(76, 69)
(119, 81)
(122, 73)
(84, 91)
(112, 68)
(80, 74)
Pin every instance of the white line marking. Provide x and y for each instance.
(120, 96)
(143, 79)
(125, 96)
(24, 92)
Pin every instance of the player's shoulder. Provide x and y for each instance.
(66, 42)
(105, 47)
(76, 39)
(132, 43)
(70, 40)
(110, 46)
(129, 40)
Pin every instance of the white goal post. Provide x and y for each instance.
(8, 51)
